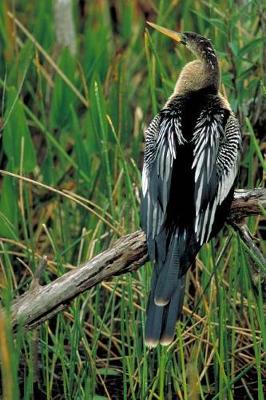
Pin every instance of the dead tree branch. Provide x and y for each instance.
(127, 254)
(42, 302)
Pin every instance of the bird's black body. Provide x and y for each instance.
(190, 165)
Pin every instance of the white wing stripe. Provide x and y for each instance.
(215, 152)
(163, 136)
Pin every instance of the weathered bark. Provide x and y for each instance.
(42, 302)
(127, 254)
(246, 203)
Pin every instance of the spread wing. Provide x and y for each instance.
(216, 160)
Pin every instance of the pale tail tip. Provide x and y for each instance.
(151, 343)
(166, 340)
(159, 301)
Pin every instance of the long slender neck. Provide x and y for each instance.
(201, 73)
(195, 76)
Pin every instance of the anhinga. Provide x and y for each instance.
(190, 165)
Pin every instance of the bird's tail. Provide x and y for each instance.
(161, 320)
(166, 298)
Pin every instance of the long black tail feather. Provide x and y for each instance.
(172, 313)
(161, 320)
(168, 272)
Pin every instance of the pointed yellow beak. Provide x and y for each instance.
(168, 32)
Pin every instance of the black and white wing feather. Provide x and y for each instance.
(216, 160)
(162, 137)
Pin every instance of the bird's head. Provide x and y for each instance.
(197, 44)
(203, 71)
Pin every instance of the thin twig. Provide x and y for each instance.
(38, 273)
(247, 238)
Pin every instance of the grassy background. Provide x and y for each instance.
(73, 124)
